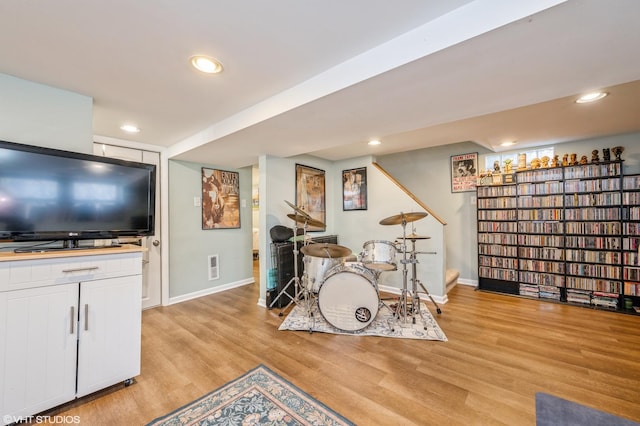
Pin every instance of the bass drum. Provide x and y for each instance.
(348, 297)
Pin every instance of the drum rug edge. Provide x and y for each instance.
(383, 325)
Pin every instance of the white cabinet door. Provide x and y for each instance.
(109, 332)
(38, 346)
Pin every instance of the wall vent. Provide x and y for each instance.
(212, 266)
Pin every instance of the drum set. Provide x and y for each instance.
(345, 286)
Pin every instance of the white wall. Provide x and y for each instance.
(35, 114)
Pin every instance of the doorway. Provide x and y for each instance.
(151, 259)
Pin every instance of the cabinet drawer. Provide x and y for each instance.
(22, 274)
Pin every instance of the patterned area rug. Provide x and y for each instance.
(260, 396)
(384, 324)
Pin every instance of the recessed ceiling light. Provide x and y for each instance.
(130, 128)
(591, 97)
(508, 143)
(374, 142)
(206, 64)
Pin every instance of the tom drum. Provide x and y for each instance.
(348, 298)
(315, 269)
(379, 255)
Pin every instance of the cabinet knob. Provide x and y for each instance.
(156, 243)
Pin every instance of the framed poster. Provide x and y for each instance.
(464, 172)
(310, 195)
(220, 199)
(354, 189)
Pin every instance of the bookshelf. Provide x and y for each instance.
(564, 234)
(631, 241)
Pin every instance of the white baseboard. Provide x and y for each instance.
(209, 291)
(440, 300)
(466, 281)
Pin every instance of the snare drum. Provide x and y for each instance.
(348, 297)
(379, 255)
(315, 269)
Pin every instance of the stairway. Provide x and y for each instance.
(451, 279)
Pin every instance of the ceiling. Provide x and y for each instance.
(324, 77)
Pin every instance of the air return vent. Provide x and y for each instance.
(214, 271)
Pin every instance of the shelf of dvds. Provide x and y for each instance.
(567, 234)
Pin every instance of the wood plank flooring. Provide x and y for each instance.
(501, 351)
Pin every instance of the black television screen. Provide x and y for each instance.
(49, 194)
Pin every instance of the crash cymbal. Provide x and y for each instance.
(414, 237)
(298, 210)
(403, 217)
(326, 250)
(309, 221)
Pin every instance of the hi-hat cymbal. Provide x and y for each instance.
(403, 217)
(325, 250)
(298, 210)
(309, 221)
(414, 237)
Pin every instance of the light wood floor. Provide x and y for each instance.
(501, 351)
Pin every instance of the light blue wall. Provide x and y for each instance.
(35, 114)
(426, 173)
(190, 245)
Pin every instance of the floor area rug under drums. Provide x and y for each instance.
(259, 396)
(383, 325)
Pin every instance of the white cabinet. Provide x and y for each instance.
(69, 326)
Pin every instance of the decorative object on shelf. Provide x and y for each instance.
(464, 172)
(574, 160)
(617, 151)
(545, 161)
(583, 160)
(522, 162)
(220, 199)
(354, 189)
(310, 195)
(496, 167)
(565, 160)
(507, 165)
(606, 156)
(556, 161)
(595, 158)
(535, 163)
(508, 178)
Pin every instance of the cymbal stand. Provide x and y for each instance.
(402, 310)
(301, 291)
(415, 302)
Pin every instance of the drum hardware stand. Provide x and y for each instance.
(299, 294)
(403, 310)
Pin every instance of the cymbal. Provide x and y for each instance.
(403, 217)
(308, 220)
(325, 250)
(414, 237)
(298, 210)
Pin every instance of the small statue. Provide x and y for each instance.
(583, 160)
(574, 160)
(545, 161)
(606, 155)
(565, 160)
(617, 151)
(496, 167)
(595, 158)
(507, 165)
(556, 161)
(535, 163)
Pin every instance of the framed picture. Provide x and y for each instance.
(220, 199)
(354, 189)
(310, 194)
(464, 172)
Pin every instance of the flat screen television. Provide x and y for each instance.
(48, 195)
